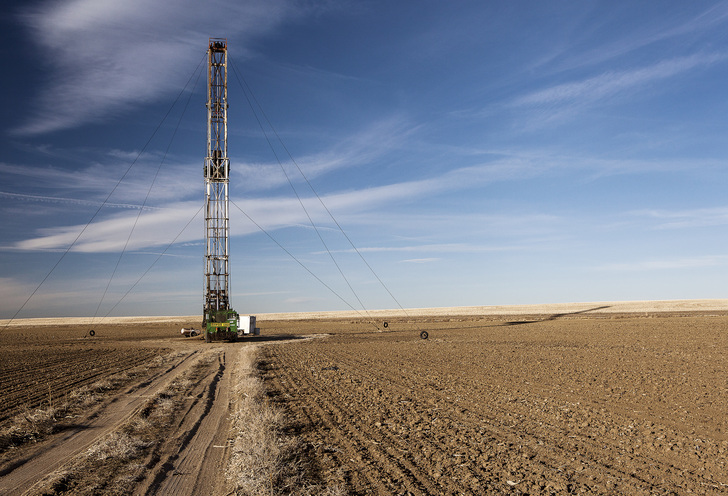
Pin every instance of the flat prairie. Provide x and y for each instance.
(591, 398)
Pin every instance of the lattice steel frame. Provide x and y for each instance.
(217, 169)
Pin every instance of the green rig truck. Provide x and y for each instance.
(221, 325)
(228, 325)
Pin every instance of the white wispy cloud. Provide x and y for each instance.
(597, 88)
(372, 142)
(432, 248)
(73, 201)
(567, 101)
(567, 55)
(154, 227)
(683, 219)
(97, 180)
(107, 55)
(360, 206)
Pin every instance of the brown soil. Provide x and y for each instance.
(42, 364)
(564, 402)
(185, 454)
(554, 404)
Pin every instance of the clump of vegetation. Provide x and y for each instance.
(119, 445)
(30, 426)
(115, 464)
(33, 425)
(263, 461)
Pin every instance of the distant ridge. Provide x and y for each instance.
(647, 306)
(539, 309)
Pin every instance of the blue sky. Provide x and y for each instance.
(476, 153)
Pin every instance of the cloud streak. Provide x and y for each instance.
(686, 219)
(107, 55)
(158, 227)
(368, 145)
(71, 201)
(362, 206)
(98, 180)
(565, 99)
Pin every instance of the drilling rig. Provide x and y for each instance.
(220, 321)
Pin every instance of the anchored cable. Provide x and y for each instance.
(243, 86)
(103, 203)
(136, 159)
(293, 160)
(151, 186)
(155, 261)
(300, 201)
(300, 263)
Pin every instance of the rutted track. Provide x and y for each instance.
(183, 451)
(41, 378)
(60, 450)
(537, 405)
(193, 459)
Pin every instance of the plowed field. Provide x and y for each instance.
(41, 365)
(545, 405)
(586, 402)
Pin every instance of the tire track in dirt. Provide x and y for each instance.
(53, 454)
(193, 462)
(58, 375)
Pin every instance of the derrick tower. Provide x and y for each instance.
(217, 169)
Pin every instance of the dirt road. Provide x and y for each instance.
(79, 436)
(181, 404)
(574, 402)
(196, 459)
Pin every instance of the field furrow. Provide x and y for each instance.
(36, 378)
(550, 406)
(532, 404)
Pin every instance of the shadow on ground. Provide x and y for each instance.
(553, 317)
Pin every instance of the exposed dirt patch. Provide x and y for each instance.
(526, 405)
(42, 364)
(112, 385)
(579, 401)
(148, 453)
(43, 378)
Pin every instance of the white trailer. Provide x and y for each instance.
(246, 326)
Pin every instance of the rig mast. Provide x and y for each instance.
(217, 169)
(219, 320)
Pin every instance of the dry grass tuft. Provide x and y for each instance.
(254, 463)
(30, 425)
(119, 445)
(164, 406)
(262, 461)
(86, 396)
(115, 464)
